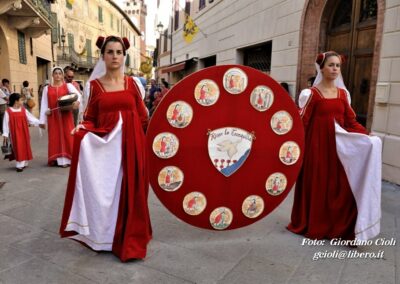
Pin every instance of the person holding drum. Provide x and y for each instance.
(106, 201)
(58, 101)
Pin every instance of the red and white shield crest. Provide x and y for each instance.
(229, 148)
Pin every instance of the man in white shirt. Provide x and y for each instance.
(3, 106)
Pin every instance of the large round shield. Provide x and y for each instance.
(225, 147)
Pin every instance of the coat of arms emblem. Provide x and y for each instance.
(229, 148)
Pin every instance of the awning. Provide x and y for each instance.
(179, 66)
(173, 67)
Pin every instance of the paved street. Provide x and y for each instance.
(32, 252)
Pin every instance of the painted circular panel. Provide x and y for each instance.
(194, 203)
(170, 178)
(281, 122)
(221, 218)
(227, 152)
(235, 81)
(276, 184)
(165, 145)
(253, 206)
(289, 153)
(179, 114)
(206, 92)
(261, 98)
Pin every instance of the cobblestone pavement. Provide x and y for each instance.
(32, 252)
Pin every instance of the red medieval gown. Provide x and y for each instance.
(324, 205)
(132, 230)
(60, 123)
(19, 134)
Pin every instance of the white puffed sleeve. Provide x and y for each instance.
(32, 119)
(73, 90)
(304, 96)
(44, 105)
(140, 86)
(6, 129)
(348, 96)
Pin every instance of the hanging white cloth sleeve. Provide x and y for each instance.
(361, 158)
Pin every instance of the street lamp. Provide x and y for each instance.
(160, 28)
(63, 45)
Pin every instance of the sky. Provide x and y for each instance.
(150, 19)
(154, 17)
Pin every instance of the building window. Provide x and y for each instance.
(176, 20)
(71, 43)
(202, 4)
(59, 33)
(342, 17)
(100, 14)
(165, 41)
(55, 31)
(187, 7)
(368, 10)
(86, 8)
(209, 61)
(68, 4)
(31, 45)
(21, 48)
(258, 57)
(89, 51)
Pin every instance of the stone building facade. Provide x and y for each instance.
(36, 35)
(282, 38)
(79, 23)
(25, 43)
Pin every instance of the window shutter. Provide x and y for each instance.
(21, 48)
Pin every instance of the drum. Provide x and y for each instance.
(65, 102)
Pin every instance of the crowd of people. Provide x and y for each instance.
(106, 208)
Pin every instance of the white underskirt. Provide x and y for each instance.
(361, 157)
(97, 190)
(21, 164)
(63, 161)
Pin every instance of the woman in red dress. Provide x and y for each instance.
(203, 93)
(15, 128)
(324, 205)
(59, 123)
(106, 200)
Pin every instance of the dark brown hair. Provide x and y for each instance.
(102, 42)
(13, 98)
(322, 57)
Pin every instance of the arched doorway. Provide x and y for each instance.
(353, 28)
(4, 57)
(350, 30)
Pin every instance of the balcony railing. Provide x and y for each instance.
(71, 57)
(43, 8)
